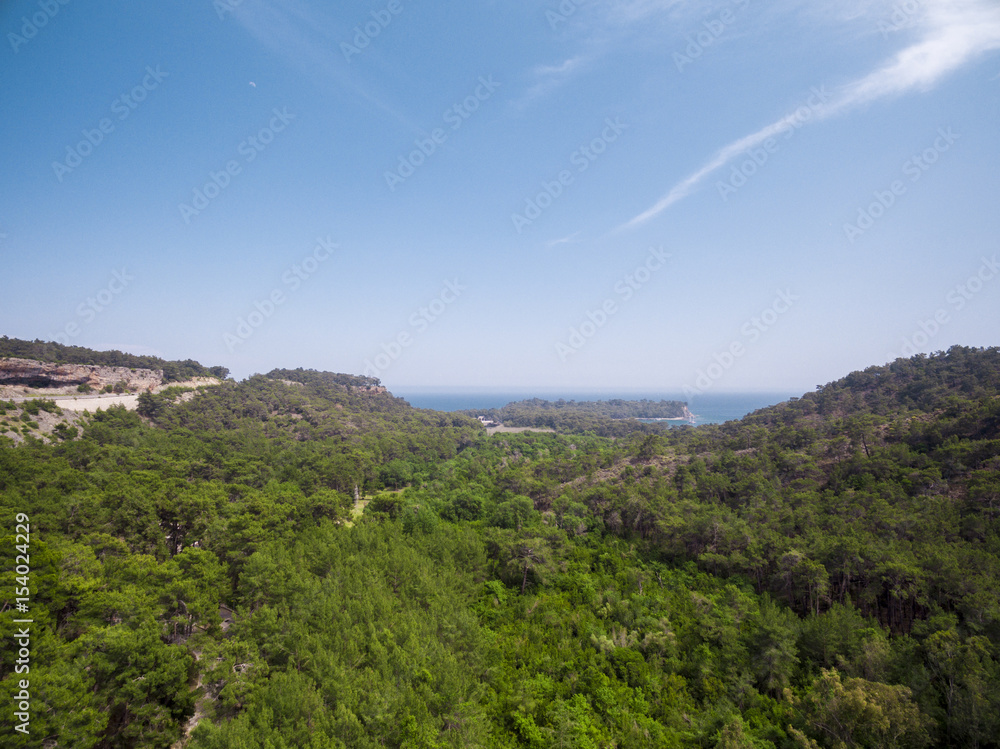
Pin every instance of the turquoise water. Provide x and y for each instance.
(710, 408)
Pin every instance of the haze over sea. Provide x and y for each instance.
(709, 408)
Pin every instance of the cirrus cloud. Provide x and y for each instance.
(951, 35)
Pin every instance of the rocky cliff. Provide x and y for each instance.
(36, 374)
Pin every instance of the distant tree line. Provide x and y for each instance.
(312, 377)
(611, 418)
(57, 353)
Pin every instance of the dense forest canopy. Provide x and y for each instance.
(57, 353)
(312, 377)
(297, 560)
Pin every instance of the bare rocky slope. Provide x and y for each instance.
(28, 373)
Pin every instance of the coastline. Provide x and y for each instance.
(711, 408)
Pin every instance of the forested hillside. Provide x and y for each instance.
(823, 573)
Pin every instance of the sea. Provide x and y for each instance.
(709, 408)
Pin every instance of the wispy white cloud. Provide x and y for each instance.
(602, 27)
(955, 33)
(688, 185)
(293, 31)
(556, 71)
(548, 78)
(571, 239)
(630, 11)
(952, 34)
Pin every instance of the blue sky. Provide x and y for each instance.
(637, 194)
